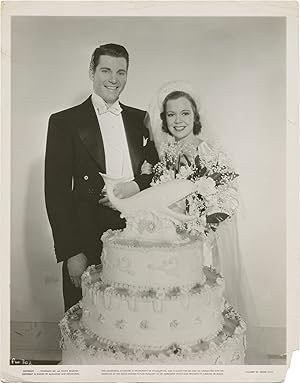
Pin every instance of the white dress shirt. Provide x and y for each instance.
(117, 157)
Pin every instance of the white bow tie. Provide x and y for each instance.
(115, 109)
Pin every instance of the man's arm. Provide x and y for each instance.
(150, 155)
(58, 190)
(59, 199)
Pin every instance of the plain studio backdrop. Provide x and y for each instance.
(237, 67)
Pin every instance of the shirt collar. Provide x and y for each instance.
(102, 107)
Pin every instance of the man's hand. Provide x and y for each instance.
(76, 266)
(104, 200)
(126, 189)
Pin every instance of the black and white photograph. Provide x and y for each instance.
(148, 216)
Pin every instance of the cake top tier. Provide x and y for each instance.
(137, 262)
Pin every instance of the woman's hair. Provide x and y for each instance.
(174, 96)
(113, 50)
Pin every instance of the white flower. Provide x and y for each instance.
(92, 350)
(82, 346)
(206, 186)
(144, 324)
(120, 324)
(211, 201)
(174, 323)
(185, 171)
(168, 175)
(186, 349)
(139, 353)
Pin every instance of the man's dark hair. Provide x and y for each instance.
(111, 49)
(174, 96)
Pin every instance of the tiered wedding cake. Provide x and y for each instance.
(151, 300)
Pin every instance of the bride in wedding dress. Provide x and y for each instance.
(174, 116)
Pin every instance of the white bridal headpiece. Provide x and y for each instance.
(155, 108)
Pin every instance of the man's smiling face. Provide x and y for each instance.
(109, 78)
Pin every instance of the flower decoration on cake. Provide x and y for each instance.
(97, 285)
(174, 349)
(79, 340)
(236, 356)
(176, 290)
(174, 323)
(145, 324)
(147, 225)
(74, 316)
(111, 348)
(82, 346)
(139, 353)
(92, 350)
(186, 349)
(120, 324)
(198, 321)
(215, 198)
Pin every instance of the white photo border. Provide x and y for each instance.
(288, 9)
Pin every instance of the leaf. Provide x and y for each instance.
(217, 177)
(197, 161)
(200, 172)
(216, 218)
(187, 160)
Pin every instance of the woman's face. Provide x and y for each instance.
(180, 118)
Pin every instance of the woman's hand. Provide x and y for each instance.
(126, 189)
(146, 168)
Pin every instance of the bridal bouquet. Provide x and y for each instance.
(216, 196)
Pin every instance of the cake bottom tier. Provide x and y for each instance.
(81, 347)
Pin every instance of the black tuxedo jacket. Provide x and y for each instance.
(74, 157)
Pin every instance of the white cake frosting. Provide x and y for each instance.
(148, 264)
(81, 346)
(154, 319)
(151, 300)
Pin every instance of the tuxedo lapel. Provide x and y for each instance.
(90, 134)
(134, 145)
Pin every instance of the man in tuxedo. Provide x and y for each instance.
(101, 135)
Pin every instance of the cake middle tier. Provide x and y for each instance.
(154, 319)
(146, 264)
